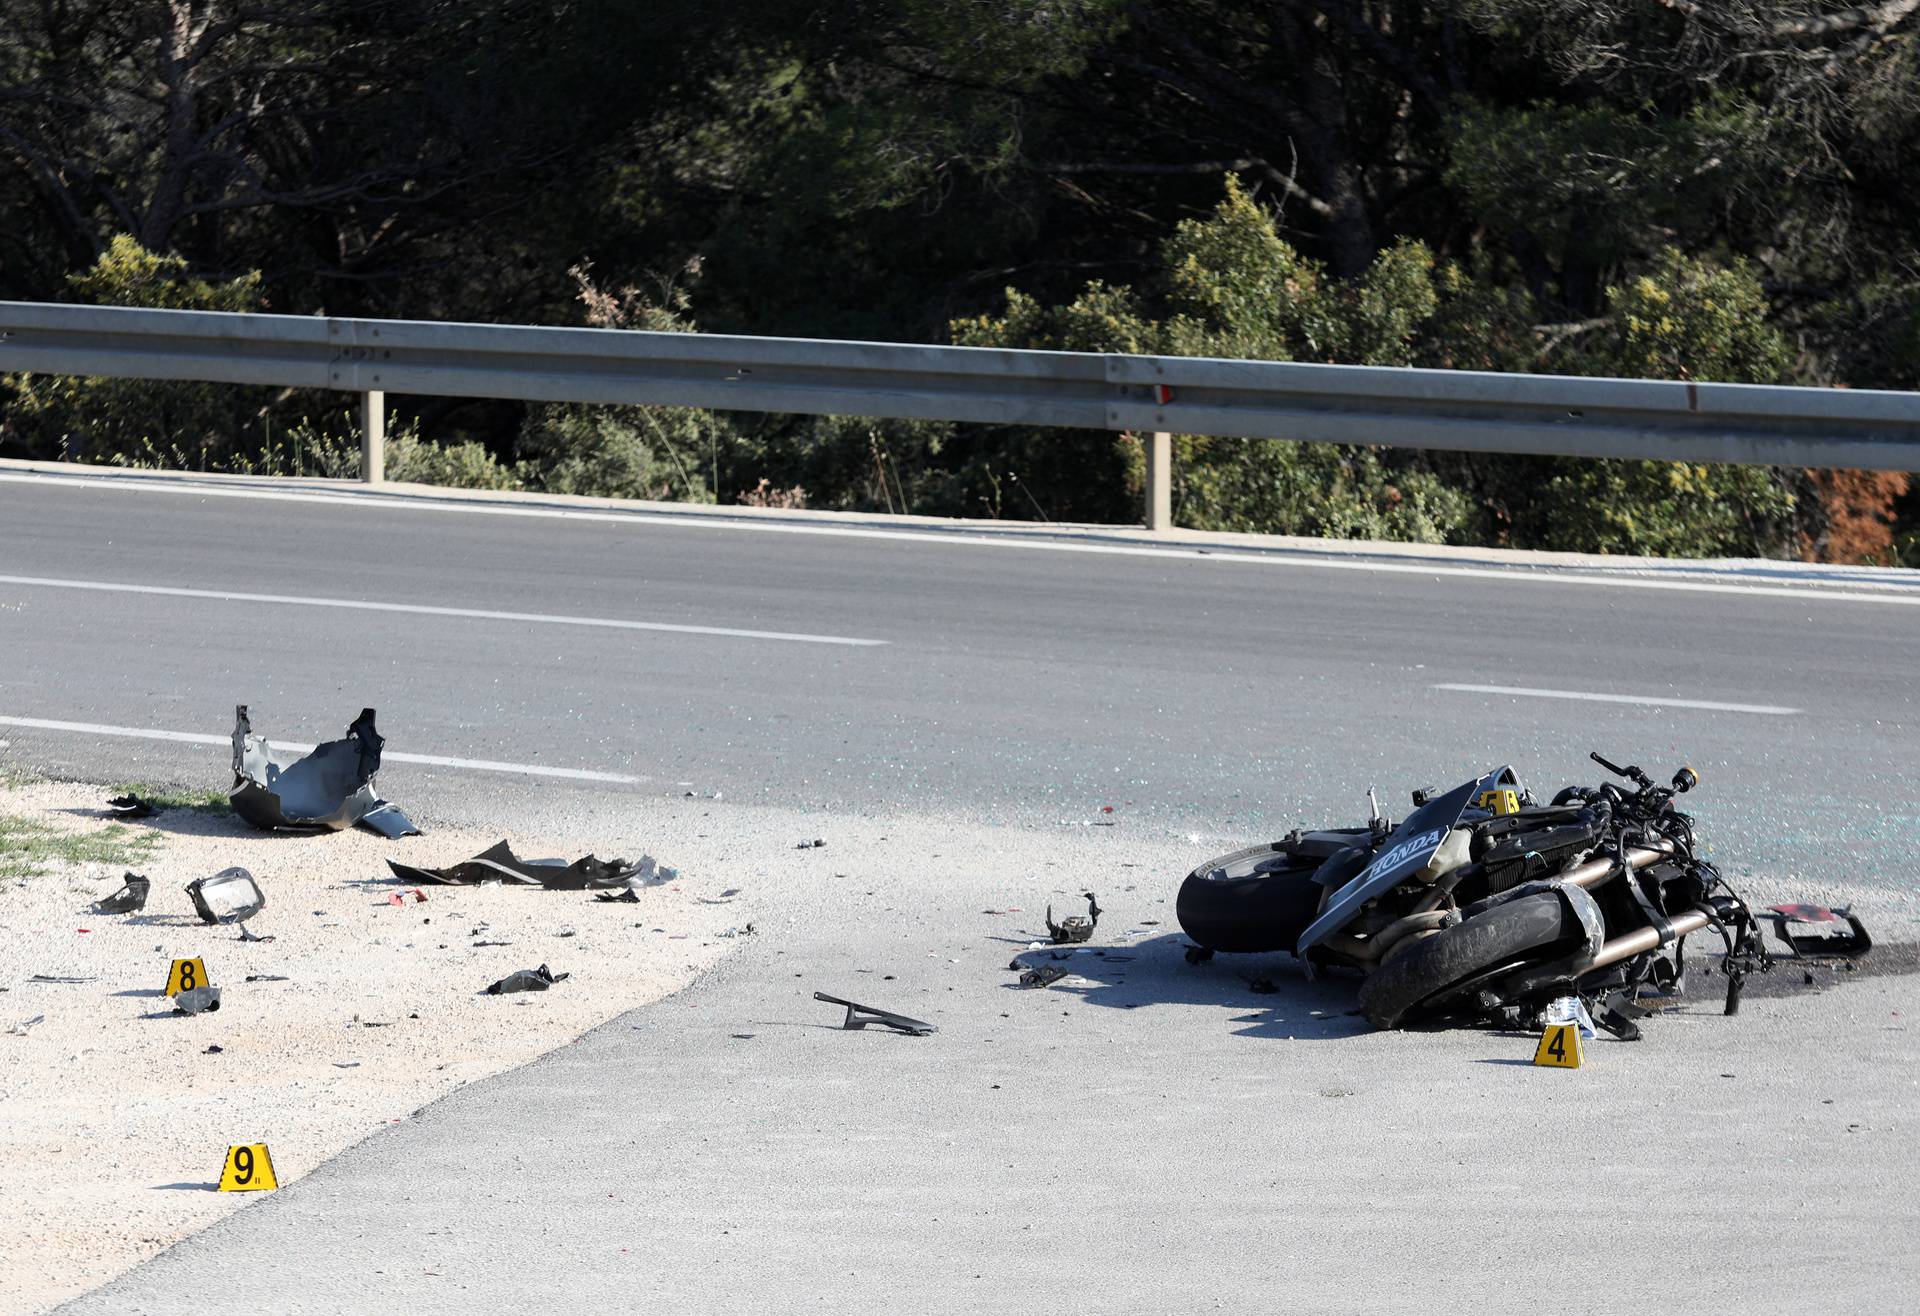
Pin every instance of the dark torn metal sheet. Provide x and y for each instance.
(500, 864)
(328, 789)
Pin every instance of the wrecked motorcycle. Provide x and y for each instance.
(1485, 902)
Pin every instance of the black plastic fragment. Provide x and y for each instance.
(1075, 927)
(1044, 975)
(859, 1016)
(131, 806)
(129, 899)
(526, 980)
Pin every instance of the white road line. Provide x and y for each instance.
(1813, 593)
(1770, 710)
(224, 742)
(430, 610)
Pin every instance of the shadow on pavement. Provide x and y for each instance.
(1273, 995)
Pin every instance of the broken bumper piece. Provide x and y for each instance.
(500, 864)
(328, 789)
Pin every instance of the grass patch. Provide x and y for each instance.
(165, 797)
(28, 847)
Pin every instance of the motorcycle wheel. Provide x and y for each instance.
(1438, 970)
(1249, 901)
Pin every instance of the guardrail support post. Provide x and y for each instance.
(373, 437)
(1159, 481)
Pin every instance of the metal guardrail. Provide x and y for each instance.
(1468, 411)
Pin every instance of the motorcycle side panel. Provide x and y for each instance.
(1414, 843)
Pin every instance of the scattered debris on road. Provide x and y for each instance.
(229, 896)
(329, 789)
(526, 980)
(129, 899)
(859, 1016)
(500, 864)
(1042, 975)
(20, 1029)
(62, 978)
(400, 897)
(815, 844)
(1075, 927)
(130, 806)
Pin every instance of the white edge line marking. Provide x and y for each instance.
(1546, 575)
(430, 610)
(1770, 710)
(431, 760)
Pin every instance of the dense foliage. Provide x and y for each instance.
(1640, 187)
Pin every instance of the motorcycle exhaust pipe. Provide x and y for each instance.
(1595, 871)
(1646, 939)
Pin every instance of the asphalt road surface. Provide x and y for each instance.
(1021, 685)
(1151, 1137)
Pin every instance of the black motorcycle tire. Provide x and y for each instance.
(1262, 911)
(1436, 970)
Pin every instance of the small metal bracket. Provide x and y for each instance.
(859, 1016)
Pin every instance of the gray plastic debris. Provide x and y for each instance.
(1043, 975)
(389, 821)
(329, 788)
(130, 806)
(500, 864)
(130, 898)
(20, 1029)
(200, 1000)
(815, 844)
(526, 980)
(229, 896)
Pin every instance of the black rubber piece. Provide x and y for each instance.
(1427, 974)
(1249, 911)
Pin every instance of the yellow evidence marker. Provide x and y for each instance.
(248, 1170)
(1559, 1047)
(186, 975)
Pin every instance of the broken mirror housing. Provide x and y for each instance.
(229, 896)
(329, 788)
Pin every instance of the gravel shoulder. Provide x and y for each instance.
(119, 1110)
